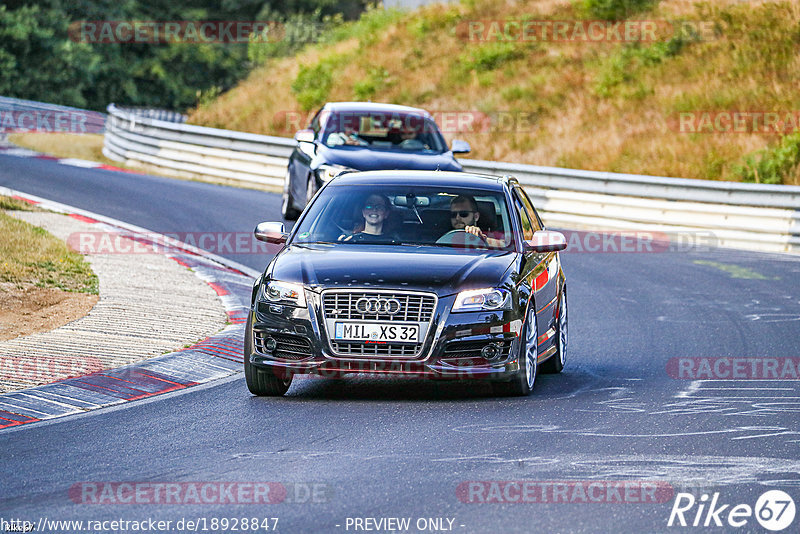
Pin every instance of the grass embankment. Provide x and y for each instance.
(31, 257)
(64, 145)
(590, 105)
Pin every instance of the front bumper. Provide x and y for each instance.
(291, 340)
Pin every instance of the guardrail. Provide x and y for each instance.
(751, 216)
(27, 115)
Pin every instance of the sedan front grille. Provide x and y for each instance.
(376, 349)
(407, 307)
(414, 307)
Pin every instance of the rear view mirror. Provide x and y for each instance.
(546, 241)
(406, 201)
(271, 232)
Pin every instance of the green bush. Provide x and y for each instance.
(615, 9)
(772, 165)
(625, 66)
(375, 81)
(313, 83)
(485, 58)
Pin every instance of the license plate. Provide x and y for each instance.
(387, 333)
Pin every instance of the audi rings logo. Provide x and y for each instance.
(374, 306)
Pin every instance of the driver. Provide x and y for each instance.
(464, 215)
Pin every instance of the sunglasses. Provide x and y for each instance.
(463, 214)
(372, 207)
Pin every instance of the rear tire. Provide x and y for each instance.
(289, 212)
(556, 362)
(261, 382)
(522, 384)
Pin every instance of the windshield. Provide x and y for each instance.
(407, 132)
(394, 215)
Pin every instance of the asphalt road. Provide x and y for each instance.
(379, 448)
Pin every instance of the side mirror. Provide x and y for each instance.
(460, 147)
(271, 232)
(305, 136)
(546, 241)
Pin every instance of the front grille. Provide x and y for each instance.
(472, 349)
(288, 346)
(414, 308)
(340, 305)
(356, 348)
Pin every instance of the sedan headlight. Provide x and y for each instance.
(286, 293)
(483, 299)
(327, 172)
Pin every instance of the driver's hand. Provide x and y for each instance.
(474, 230)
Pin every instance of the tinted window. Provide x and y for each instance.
(411, 215)
(406, 132)
(315, 123)
(524, 219)
(534, 215)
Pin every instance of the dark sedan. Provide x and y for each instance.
(435, 274)
(363, 136)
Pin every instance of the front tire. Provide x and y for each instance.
(555, 364)
(261, 382)
(522, 384)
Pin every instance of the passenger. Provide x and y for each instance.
(464, 215)
(376, 211)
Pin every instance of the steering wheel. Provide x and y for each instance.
(462, 238)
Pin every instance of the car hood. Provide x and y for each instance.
(443, 271)
(364, 159)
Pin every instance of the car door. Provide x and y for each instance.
(300, 162)
(540, 272)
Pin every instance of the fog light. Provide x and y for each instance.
(491, 352)
(270, 344)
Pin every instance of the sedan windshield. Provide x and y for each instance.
(406, 132)
(408, 215)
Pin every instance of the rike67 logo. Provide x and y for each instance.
(774, 510)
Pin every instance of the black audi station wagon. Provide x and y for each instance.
(421, 273)
(363, 136)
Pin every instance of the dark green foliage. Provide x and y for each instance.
(615, 9)
(39, 61)
(773, 165)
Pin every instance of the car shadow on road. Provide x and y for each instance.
(381, 388)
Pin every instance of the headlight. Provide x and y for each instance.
(283, 293)
(327, 172)
(483, 299)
